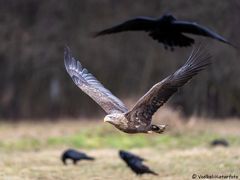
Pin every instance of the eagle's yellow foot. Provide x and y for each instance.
(158, 128)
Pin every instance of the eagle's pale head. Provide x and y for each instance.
(116, 119)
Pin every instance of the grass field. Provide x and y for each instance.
(32, 150)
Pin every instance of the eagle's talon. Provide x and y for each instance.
(158, 128)
(150, 132)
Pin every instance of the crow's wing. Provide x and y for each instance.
(136, 24)
(139, 168)
(162, 91)
(129, 156)
(171, 39)
(91, 86)
(194, 28)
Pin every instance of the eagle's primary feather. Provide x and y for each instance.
(147, 105)
(91, 86)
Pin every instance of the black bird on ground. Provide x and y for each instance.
(135, 163)
(220, 142)
(166, 29)
(75, 156)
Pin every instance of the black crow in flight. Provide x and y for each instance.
(166, 29)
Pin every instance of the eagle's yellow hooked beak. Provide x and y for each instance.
(107, 119)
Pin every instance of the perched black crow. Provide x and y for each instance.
(166, 29)
(75, 156)
(128, 155)
(220, 142)
(135, 163)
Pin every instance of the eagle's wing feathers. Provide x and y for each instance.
(91, 86)
(162, 91)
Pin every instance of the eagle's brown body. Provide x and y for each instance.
(139, 118)
(128, 124)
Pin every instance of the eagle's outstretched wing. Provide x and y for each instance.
(194, 28)
(136, 24)
(91, 86)
(162, 91)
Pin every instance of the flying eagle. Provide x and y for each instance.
(166, 29)
(138, 119)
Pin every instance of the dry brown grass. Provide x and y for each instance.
(176, 162)
(173, 164)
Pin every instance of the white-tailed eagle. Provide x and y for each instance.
(138, 119)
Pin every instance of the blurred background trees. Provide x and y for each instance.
(34, 83)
